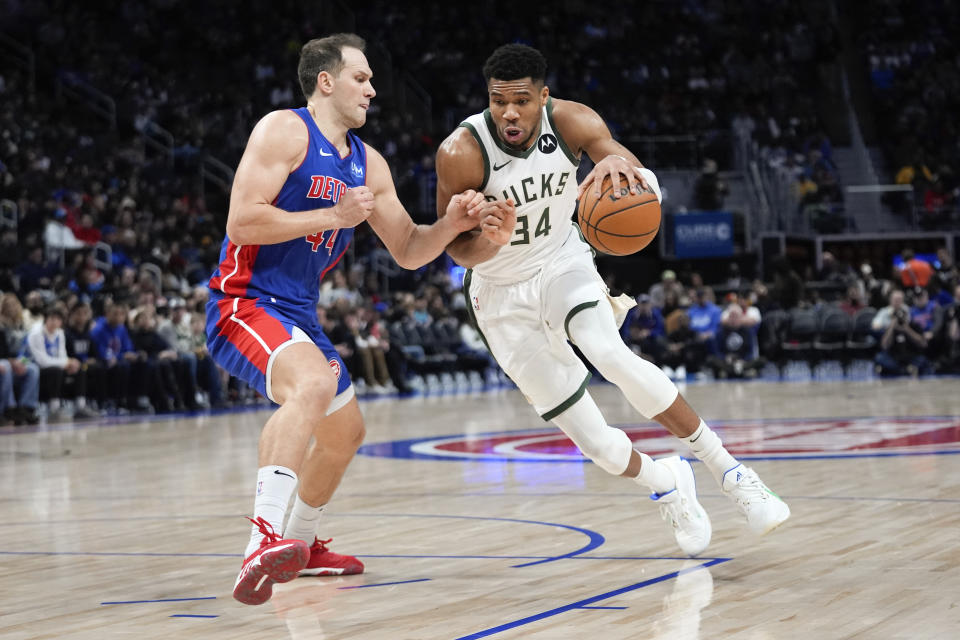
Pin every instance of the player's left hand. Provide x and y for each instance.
(614, 166)
(465, 210)
(499, 221)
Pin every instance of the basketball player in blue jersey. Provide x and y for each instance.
(304, 182)
(532, 286)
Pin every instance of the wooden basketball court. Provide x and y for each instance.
(476, 520)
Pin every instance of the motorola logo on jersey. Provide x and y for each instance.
(326, 188)
(746, 439)
(547, 143)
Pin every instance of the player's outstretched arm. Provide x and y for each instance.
(414, 245)
(459, 167)
(276, 147)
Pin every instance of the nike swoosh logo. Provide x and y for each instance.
(281, 473)
(326, 155)
(497, 168)
(691, 442)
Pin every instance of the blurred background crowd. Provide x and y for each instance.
(119, 125)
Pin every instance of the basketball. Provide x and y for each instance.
(618, 226)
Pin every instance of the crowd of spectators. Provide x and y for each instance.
(103, 274)
(912, 55)
(908, 320)
(719, 65)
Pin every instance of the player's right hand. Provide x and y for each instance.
(354, 206)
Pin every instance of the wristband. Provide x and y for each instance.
(652, 181)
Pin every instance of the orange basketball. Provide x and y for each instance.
(618, 226)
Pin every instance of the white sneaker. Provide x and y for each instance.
(680, 509)
(765, 510)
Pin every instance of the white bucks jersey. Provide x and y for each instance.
(542, 181)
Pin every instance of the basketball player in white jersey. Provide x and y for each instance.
(532, 285)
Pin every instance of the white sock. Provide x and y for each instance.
(655, 475)
(303, 522)
(81, 402)
(706, 445)
(275, 485)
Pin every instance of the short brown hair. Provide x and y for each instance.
(324, 54)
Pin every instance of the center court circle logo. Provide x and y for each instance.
(746, 439)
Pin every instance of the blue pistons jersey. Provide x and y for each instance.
(288, 274)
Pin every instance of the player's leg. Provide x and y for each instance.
(574, 411)
(302, 383)
(265, 348)
(554, 381)
(593, 329)
(336, 439)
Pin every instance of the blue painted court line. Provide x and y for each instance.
(588, 601)
(595, 539)
(403, 449)
(385, 584)
(114, 421)
(358, 555)
(160, 600)
(191, 615)
(119, 421)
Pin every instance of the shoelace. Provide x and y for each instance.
(679, 509)
(753, 490)
(323, 544)
(269, 534)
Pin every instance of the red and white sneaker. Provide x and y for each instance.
(277, 560)
(324, 562)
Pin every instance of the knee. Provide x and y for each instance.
(312, 392)
(611, 358)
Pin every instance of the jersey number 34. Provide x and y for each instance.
(522, 230)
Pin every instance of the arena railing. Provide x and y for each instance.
(70, 85)
(217, 172)
(159, 139)
(23, 56)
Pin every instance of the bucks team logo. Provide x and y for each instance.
(335, 365)
(815, 438)
(547, 143)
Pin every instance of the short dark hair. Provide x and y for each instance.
(514, 62)
(324, 54)
(54, 310)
